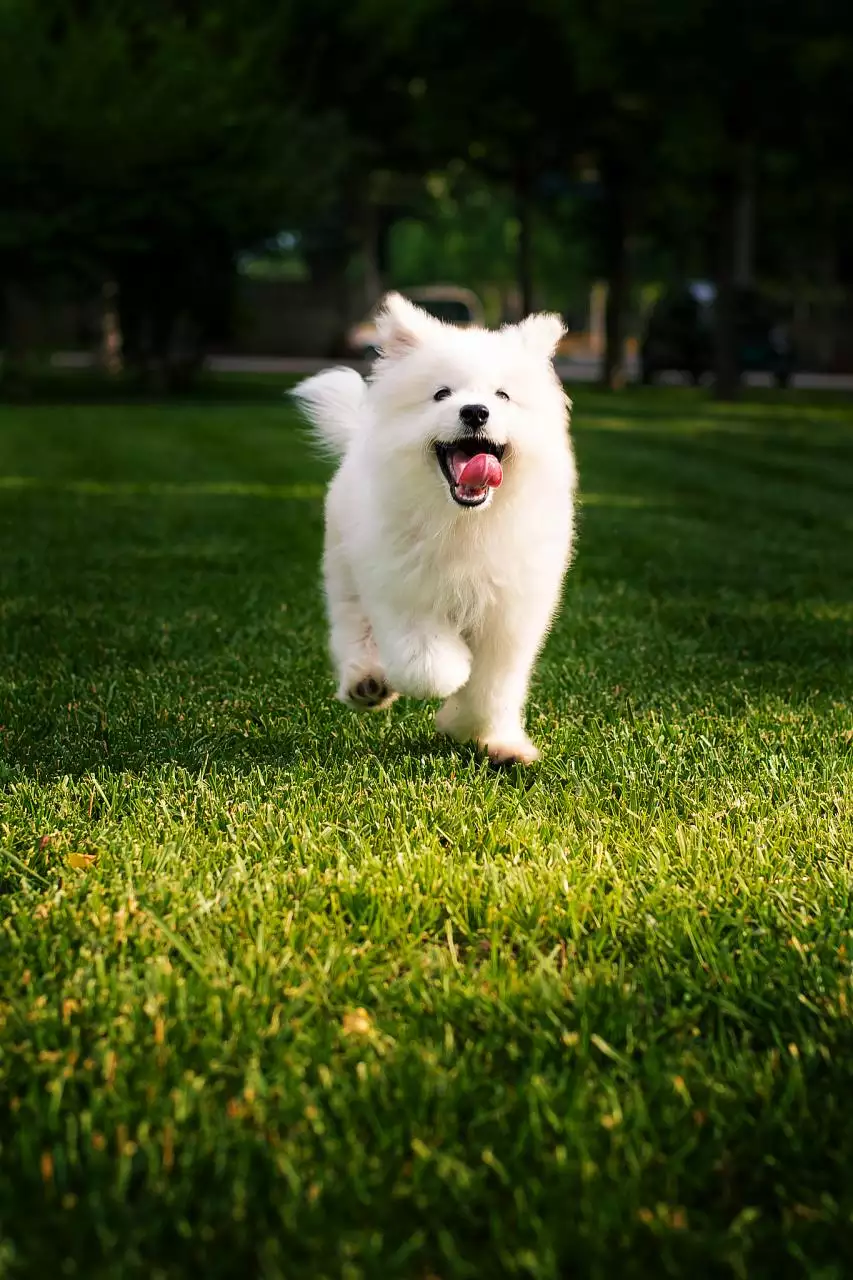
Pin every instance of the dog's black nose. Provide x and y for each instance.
(474, 416)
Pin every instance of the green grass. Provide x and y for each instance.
(607, 1006)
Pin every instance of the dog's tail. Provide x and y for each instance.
(333, 401)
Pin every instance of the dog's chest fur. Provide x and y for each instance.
(461, 569)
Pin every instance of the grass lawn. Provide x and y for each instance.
(289, 993)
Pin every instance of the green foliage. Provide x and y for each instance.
(606, 1007)
(147, 144)
(151, 144)
(465, 231)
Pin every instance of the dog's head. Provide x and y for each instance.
(460, 410)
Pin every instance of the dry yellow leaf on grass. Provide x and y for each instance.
(357, 1023)
(80, 861)
(69, 1006)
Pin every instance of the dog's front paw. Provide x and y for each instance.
(370, 692)
(502, 754)
(430, 667)
(504, 748)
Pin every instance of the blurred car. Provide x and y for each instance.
(679, 335)
(445, 302)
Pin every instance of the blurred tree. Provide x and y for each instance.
(748, 83)
(561, 88)
(358, 63)
(807, 181)
(146, 143)
(620, 52)
(464, 231)
(494, 92)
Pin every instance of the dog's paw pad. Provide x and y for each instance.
(370, 689)
(504, 756)
(370, 692)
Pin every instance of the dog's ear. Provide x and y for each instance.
(542, 332)
(401, 326)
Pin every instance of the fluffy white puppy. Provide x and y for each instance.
(449, 520)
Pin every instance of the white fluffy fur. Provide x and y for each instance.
(427, 598)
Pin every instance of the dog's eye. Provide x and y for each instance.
(501, 395)
(442, 393)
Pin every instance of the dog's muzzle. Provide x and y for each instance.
(471, 468)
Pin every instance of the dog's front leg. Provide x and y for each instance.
(423, 657)
(489, 710)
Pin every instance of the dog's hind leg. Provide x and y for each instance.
(362, 683)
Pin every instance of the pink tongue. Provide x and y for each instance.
(483, 471)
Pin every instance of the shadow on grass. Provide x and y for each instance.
(150, 624)
(90, 387)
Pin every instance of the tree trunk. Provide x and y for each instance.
(524, 213)
(726, 375)
(744, 261)
(372, 253)
(110, 345)
(14, 373)
(615, 236)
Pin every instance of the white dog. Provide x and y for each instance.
(449, 521)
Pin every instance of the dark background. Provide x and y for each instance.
(178, 177)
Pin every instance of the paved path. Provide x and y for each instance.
(569, 370)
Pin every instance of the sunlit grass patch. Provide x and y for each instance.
(285, 992)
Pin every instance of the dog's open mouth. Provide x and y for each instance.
(471, 468)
